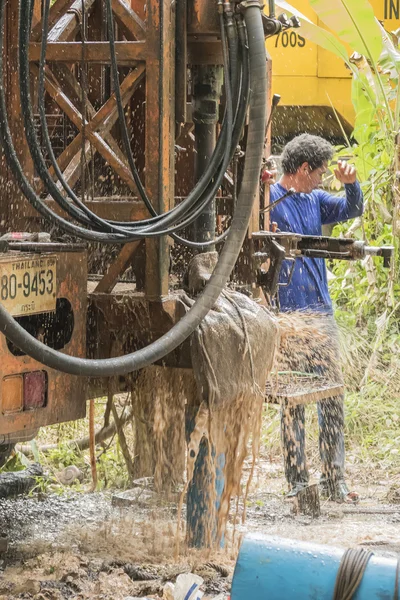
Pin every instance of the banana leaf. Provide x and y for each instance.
(354, 22)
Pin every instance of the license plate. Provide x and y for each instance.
(28, 285)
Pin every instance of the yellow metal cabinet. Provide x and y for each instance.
(307, 76)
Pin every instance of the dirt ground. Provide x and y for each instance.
(82, 546)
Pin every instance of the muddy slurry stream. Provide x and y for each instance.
(94, 546)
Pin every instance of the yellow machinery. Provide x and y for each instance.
(310, 79)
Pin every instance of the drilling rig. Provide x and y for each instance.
(133, 134)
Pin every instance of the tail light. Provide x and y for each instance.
(12, 394)
(26, 391)
(35, 389)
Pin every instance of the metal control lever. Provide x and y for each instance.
(274, 248)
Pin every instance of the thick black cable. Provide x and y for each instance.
(39, 205)
(98, 221)
(214, 188)
(228, 257)
(244, 96)
(220, 152)
(15, 166)
(44, 127)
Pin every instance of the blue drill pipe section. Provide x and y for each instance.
(272, 568)
(199, 492)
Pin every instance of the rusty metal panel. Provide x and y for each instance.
(35, 390)
(66, 394)
(203, 17)
(160, 133)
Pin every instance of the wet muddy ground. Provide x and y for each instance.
(81, 546)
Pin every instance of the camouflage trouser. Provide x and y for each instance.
(330, 420)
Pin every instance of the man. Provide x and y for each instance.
(304, 162)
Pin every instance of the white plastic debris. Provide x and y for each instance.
(187, 587)
(168, 591)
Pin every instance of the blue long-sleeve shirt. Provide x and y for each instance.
(305, 214)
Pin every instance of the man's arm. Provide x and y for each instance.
(335, 209)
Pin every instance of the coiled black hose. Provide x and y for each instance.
(177, 335)
(39, 162)
(161, 224)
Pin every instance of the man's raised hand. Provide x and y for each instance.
(345, 173)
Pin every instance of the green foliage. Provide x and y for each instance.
(354, 23)
(65, 456)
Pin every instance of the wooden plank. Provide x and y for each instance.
(37, 12)
(16, 122)
(56, 11)
(132, 210)
(106, 285)
(160, 134)
(73, 89)
(67, 26)
(95, 138)
(103, 121)
(181, 61)
(128, 53)
(139, 6)
(128, 20)
(61, 75)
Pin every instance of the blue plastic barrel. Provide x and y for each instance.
(273, 568)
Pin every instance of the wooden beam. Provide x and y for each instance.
(105, 118)
(139, 6)
(160, 134)
(126, 210)
(128, 19)
(119, 266)
(56, 11)
(102, 122)
(94, 137)
(37, 12)
(128, 53)
(67, 26)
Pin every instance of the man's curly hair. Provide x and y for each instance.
(305, 148)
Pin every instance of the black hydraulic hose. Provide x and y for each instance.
(216, 185)
(220, 152)
(15, 166)
(39, 161)
(43, 123)
(168, 342)
(25, 15)
(38, 204)
(33, 142)
(105, 224)
(244, 93)
(233, 43)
